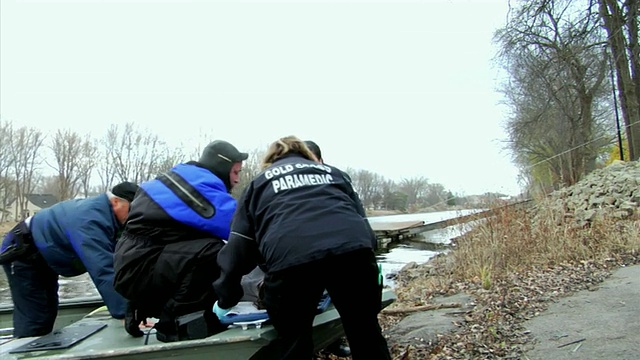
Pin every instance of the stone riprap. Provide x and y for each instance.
(612, 191)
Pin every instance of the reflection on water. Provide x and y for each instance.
(422, 247)
(403, 253)
(418, 249)
(70, 288)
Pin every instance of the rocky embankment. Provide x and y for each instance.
(612, 191)
(462, 320)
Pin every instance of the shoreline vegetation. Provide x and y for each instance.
(513, 271)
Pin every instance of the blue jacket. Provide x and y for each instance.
(199, 207)
(78, 236)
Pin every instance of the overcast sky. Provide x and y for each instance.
(404, 89)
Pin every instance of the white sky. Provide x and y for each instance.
(399, 88)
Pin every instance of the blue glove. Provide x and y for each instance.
(219, 311)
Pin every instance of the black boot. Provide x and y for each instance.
(196, 325)
(339, 348)
(166, 328)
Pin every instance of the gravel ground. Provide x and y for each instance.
(497, 325)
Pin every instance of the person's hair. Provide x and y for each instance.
(285, 146)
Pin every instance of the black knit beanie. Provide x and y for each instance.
(219, 156)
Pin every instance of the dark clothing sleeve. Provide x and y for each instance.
(92, 242)
(236, 259)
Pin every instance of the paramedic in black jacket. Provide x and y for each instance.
(165, 262)
(302, 223)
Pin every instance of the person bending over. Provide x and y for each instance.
(165, 262)
(302, 222)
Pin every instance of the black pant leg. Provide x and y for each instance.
(184, 275)
(34, 291)
(352, 283)
(291, 299)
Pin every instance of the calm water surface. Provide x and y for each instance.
(418, 249)
(422, 247)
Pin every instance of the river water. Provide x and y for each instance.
(419, 249)
(422, 247)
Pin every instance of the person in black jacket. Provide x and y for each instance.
(165, 261)
(302, 223)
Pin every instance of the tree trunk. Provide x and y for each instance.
(634, 46)
(613, 18)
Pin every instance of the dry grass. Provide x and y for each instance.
(516, 240)
(513, 264)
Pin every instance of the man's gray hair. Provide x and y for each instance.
(110, 195)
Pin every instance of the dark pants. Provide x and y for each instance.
(167, 280)
(351, 279)
(34, 290)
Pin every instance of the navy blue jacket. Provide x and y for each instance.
(78, 236)
(294, 212)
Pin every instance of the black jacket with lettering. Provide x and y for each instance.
(294, 212)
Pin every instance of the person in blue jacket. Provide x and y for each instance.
(165, 262)
(70, 238)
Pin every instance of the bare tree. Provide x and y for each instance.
(67, 151)
(166, 159)
(86, 165)
(365, 183)
(7, 182)
(435, 194)
(554, 53)
(387, 198)
(138, 154)
(24, 146)
(415, 188)
(132, 154)
(107, 166)
(48, 185)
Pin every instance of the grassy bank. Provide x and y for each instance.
(513, 264)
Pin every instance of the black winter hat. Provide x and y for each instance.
(126, 190)
(219, 156)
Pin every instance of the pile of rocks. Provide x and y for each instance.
(612, 191)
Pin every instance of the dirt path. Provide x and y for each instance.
(594, 325)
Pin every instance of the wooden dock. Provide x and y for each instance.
(393, 231)
(397, 230)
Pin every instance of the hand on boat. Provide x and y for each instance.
(147, 324)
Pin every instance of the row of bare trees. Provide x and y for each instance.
(137, 155)
(126, 153)
(377, 192)
(558, 55)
